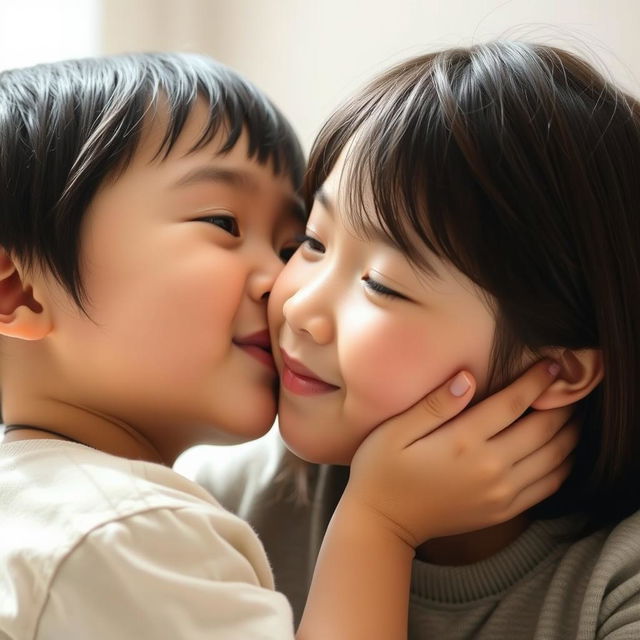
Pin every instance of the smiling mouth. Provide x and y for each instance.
(301, 381)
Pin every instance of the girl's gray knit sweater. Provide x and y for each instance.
(540, 587)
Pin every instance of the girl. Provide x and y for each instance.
(474, 208)
(147, 203)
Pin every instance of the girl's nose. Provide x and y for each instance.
(308, 315)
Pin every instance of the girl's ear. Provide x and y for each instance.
(21, 315)
(580, 372)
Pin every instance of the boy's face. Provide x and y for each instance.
(178, 258)
(349, 353)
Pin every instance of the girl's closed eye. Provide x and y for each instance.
(310, 243)
(380, 289)
(225, 221)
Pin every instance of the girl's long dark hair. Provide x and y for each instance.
(520, 165)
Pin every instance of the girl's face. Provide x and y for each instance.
(360, 334)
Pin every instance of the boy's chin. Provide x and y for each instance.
(227, 438)
(247, 423)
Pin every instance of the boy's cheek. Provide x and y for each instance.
(274, 311)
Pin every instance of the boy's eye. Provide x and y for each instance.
(310, 243)
(286, 253)
(225, 222)
(380, 289)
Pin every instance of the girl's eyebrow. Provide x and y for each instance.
(321, 196)
(369, 231)
(366, 230)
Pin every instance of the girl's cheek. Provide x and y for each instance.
(289, 281)
(283, 288)
(390, 366)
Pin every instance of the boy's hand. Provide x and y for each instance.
(430, 472)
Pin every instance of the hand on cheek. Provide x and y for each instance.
(431, 472)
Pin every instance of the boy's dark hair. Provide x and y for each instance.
(520, 165)
(66, 126)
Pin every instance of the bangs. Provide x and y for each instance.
(442, 147)
(393, 136)
(173, 84)
(233, 106)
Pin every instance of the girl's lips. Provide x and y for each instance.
(300, 380)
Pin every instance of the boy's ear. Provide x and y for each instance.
(581, 371)
(21, 315)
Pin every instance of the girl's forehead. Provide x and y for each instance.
(345, 188)
(348, 194)
(348, 197)
(362, 224)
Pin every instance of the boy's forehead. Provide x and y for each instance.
(241, 178)
(189, 162)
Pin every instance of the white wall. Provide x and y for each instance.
(307, 54)
(33, 31)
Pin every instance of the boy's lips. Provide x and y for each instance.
(257, 345)
(300, 380)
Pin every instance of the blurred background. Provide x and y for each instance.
(308, 55)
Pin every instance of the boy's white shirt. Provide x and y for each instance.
(255, 481)
(96, 546)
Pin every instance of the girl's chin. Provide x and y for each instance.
(312, 451)
(319, 459)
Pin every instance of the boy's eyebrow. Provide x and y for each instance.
(216, 174)
(235, 178)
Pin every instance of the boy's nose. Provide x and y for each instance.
(260, 287)
(263, 276)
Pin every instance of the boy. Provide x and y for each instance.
(146, 205)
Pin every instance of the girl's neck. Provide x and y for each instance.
(468, 548)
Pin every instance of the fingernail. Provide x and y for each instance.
(459, 385)
(554, 368)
